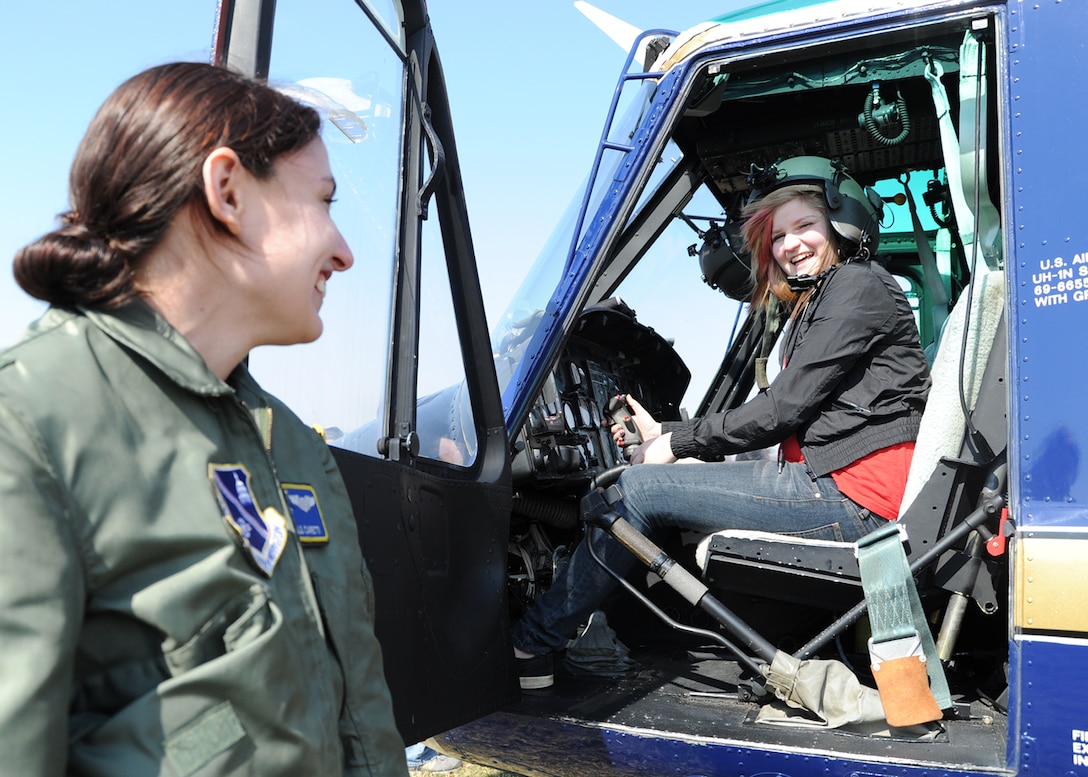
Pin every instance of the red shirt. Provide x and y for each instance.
(876, 481)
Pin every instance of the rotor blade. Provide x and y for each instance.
(621, 32)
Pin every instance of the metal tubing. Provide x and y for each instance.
(689, 586)
(714, 636)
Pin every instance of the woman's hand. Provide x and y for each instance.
(656, 448)
(648, 427)
(656, 451)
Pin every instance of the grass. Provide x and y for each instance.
(475, 770)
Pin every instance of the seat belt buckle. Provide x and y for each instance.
(880, 534)
(899, 669)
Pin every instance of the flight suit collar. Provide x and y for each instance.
(138, 327)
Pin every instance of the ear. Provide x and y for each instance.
(224, 176)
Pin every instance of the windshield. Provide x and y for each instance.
(515, 328)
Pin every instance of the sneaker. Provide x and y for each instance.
(424, 759)
(441, 763)
(597, 652)
(417, 754)
(536, 672)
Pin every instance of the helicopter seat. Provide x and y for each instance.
(946, 475)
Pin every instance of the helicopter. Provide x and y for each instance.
(467, 449)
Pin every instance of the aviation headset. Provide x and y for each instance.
(854, 211)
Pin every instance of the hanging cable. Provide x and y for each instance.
(875, 117)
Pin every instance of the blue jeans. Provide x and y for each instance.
(705, 498)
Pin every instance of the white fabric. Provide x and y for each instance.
(941, 433)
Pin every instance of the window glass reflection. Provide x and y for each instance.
(444, 420)
(330, 55)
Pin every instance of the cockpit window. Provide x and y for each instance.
(667, 291)
(391, 17)
(353, 75)
(518, 323)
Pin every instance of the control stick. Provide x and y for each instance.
(620, 413)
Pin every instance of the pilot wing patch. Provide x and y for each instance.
(263, 535)
(306, 513)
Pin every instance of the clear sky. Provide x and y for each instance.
(534, 75)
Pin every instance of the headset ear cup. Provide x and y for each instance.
(876, 201)
(832, 195)
(725, 268)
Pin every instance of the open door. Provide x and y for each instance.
(402, 380)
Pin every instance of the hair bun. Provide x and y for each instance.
(72, 266)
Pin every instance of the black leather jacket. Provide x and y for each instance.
(855, 380)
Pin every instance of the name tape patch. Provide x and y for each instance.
(306, 513)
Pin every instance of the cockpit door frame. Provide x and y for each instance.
(434, 535)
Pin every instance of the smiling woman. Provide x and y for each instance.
(183, 575)
(810, 229)
(266, 285)
(800, 244)
(225, 234)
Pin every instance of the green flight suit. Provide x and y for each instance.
(139, 634)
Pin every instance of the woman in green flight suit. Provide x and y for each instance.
(181, 586)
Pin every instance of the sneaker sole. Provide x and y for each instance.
(536, 683)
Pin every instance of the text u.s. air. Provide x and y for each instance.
(467, 448)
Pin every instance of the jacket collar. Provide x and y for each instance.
(139, 328)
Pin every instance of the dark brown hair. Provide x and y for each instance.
(140, 164)
(768, 278)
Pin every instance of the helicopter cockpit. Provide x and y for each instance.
(667, 321)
